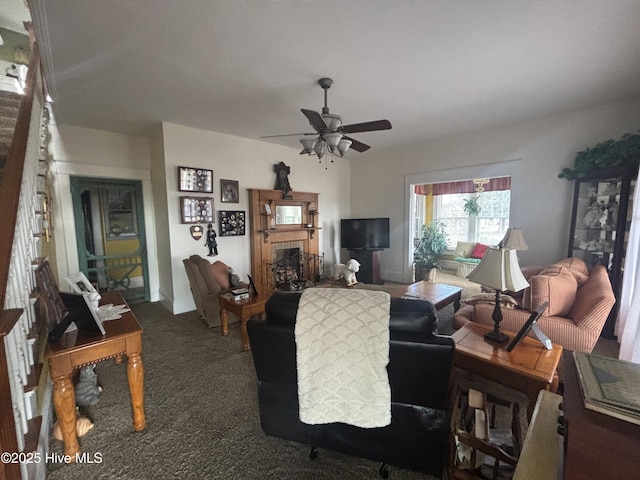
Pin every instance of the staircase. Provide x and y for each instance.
(25, 391)
(9, 106)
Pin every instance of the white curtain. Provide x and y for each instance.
(628, 327)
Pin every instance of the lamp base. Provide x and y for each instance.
(496, 336)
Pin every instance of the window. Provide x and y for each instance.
(445, 203)
(488, 227)
(119, 213)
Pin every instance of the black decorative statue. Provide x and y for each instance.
(282, 179)
(211, 241)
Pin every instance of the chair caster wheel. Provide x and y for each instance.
(384, 471)
(313, 453)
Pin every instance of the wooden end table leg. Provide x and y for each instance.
(64, 402)
(456, 302)
(243, 333)
(224, 321)
(135, 375)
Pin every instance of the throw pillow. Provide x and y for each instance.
(479, 250)
(556, 285)
(506, 301)
(464, 249)
(220, 273)
(577, 267)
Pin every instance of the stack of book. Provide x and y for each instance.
(240, 294)
(609, 385)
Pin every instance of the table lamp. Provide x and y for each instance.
(513, 239)
(499, 269)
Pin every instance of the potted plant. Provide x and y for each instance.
(471, 206)
(428, 248)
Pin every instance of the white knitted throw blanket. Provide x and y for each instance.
(342, 351)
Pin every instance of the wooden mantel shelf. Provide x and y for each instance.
(271, 231)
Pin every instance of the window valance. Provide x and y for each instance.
(465, 186)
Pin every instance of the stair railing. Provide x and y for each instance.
(20, 242)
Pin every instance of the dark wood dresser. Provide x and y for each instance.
(596, 446)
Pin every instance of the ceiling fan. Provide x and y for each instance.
(330, 133)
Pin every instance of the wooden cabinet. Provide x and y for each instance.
(601, 216)
(595, 445)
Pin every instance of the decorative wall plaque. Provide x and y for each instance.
(196, 209)
(231, 222)
(195, 180)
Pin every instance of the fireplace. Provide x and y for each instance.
(292, 268)
(284, 254)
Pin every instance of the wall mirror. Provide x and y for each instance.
(288, 214)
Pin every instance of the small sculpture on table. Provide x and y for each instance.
(348, 272)
(211, 241)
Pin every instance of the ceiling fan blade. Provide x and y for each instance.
(366, 126)
(315, 119)
(357, 146)
(288, 135)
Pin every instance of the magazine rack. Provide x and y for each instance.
(473, 456)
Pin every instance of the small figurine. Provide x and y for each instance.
(211, 241)
(348, 272)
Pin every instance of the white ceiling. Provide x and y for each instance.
(245, 67)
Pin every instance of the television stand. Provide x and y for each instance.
(369, 259)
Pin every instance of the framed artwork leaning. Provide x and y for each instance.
(195, 180)
(229, 191)
(232, 222)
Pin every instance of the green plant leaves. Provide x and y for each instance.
(610, 153)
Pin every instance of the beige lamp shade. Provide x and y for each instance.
(499, 269)
(514, 239)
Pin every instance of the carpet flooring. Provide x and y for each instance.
(202, 415)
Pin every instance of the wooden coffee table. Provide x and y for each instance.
(244, 309)
(439, 294)
(528, 368)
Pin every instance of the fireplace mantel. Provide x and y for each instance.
(266, 233)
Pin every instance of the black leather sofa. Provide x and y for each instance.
(419, 369)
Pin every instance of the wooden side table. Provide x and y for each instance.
(528, 368)
(244, 309)
(77, 349)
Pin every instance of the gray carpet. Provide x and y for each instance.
(202, 415)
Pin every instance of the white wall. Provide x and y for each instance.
(251, 163)
(154, 161)
(541, 202)
(94, 153)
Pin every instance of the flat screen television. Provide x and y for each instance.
(364, 233)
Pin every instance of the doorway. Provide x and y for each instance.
(110, 235)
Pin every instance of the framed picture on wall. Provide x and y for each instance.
(229, 191)
(195, 180)
(231, 222)
(196, 210)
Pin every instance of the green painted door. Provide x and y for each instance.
(110, 235)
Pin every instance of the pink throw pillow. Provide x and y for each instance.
(479, 250)
(555, 285)
(220, 273)
(577, 267)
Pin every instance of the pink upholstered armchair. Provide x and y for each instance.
(579, 304)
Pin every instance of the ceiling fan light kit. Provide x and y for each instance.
(330, 131)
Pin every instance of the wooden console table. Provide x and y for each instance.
(77, 349)
(528, 368)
